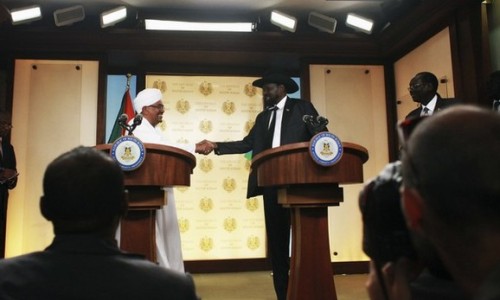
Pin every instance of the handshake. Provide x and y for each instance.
(205, 147)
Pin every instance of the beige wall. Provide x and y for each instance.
(433, 56)
(54, 110)
(353, 99)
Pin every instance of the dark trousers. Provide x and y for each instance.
(278, 240)
(3, 219)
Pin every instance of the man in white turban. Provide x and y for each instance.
(149, 104)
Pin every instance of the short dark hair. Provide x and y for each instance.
(456, 166)
(428, 77)
(83, 185)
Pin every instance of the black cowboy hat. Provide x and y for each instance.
(278, 78)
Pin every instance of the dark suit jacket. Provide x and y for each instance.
(440, 104)
(293, 130)
(88, 267)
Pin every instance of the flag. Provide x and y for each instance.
(125, 108)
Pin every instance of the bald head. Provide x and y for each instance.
(452, 159)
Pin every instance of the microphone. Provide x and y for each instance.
(137, 121)
(307, 119)
(315, 123)
(123, 118)
(322, 120)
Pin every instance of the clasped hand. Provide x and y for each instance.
(205, 147)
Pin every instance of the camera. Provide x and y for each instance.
(385, 235)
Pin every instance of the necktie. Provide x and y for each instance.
(272, 124)
(426, 111)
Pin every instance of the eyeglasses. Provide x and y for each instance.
(158, 106)
(405, 128)
(415, 86)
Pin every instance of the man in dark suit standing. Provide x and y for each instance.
(280, 123)
(7, 170)
(84, 197)
(423, 90)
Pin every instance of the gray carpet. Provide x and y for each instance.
(259, 286)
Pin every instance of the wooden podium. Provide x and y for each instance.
(163, 166)
(308, 189)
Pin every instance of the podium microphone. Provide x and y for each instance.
(137, 121)
(315, 123)
(122, 121)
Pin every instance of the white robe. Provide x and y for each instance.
(168, 238)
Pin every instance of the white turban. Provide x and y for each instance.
(145, 98)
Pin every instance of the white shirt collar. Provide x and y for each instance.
(431, 105)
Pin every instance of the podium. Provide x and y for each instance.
(308, 189)
(163, 166)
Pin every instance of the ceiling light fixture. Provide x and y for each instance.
(322, 22)
(359, 23)
(111, 17)
(283, 21)
(68, 16)
(198, 26)
(26, 14)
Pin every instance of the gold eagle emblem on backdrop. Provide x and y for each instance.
(183, 224)
(230, 224)
(248, 125)
(229, 184)
(182, 106)
(206, 243)
(248, 165)
(253, 242)
(206, 164)
(228, 107)
(205, 88)
(182, 189)
(206, 204)
(250, 90)
(161, 85)
(206, 126)
(252, 204)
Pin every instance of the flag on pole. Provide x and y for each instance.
(125, 108)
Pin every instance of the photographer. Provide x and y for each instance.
(404, 258)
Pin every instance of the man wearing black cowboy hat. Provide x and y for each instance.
(280, 123)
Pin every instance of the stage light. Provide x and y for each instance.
(283, 21)
(198, 26)
(359, 23)
(111, 17)
(322, 22)
(26, 14)
(68, 16)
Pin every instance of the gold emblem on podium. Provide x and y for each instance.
(183, 224)
(230, 224)
(206, 204)
(205, 88)
(250, 90)
(229, 184)
(182, 106)
(248, 125)
(161, 85)
(206, 164)
(326, 149)
(127, 154)
(228, 107)
(206, 244)
(206, 126)
(252, 204)
(253, 242)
